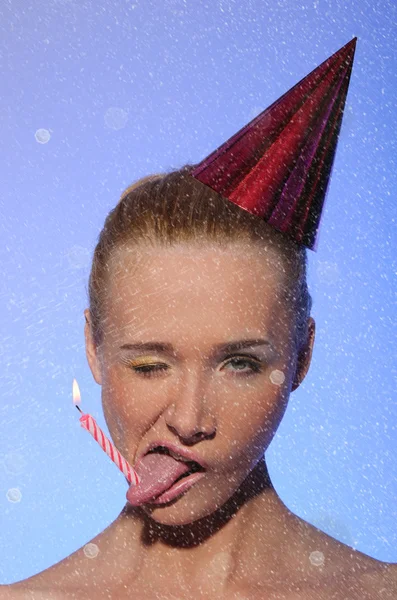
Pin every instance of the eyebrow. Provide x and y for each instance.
(168, 348)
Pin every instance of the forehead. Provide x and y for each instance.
(197, 289)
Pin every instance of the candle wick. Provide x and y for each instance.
(78, 408)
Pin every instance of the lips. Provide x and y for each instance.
(191, 465)
(177, 452)
(163, 465)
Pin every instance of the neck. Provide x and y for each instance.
(248, 530)
(194, 534)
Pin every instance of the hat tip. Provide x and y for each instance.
(350, 46)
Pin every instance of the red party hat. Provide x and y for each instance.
(278, 165)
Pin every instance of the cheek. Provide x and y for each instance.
(255, 408)
(117, 406)
(260, 410)
(114, 422)
(248, 425)
(130, 405)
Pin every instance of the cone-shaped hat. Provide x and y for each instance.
(278, 166)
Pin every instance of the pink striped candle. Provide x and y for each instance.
(88, 422)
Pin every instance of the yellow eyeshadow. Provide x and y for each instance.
(143, 360)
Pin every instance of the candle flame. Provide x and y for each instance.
(76, 392)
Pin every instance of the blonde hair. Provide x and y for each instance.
(169, 208)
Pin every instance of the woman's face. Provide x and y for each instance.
(195, 300)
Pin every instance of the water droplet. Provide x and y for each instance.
(116, 118)
(277, 377)
(42, 136)
(91, 550)
(14, 463)
(14, 495)
(317, 558)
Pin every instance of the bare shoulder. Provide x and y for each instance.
(342, 571)
(25, 590)
(362, 576)
(6, 592)
(70, 578)
(22, 591)
(64, 580)
(46, 585)
(14, 591)
(381, 580)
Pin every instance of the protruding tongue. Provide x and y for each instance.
(157, 472)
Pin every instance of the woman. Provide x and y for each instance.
(198, 329)
(229, 535)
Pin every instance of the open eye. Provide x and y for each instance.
(245, 360)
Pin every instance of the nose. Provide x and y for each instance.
(189, 415)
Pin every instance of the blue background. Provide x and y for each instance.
(95, 95)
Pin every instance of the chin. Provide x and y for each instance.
(182, 511)
(196, 504)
